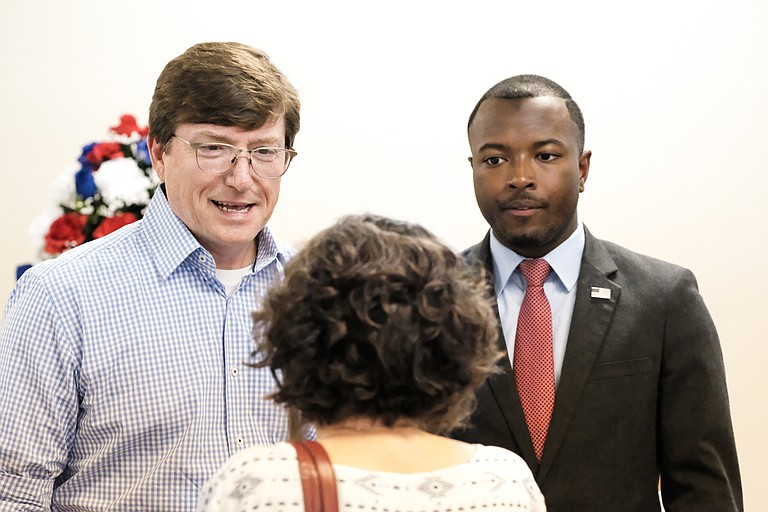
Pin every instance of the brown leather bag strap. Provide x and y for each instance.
(318, 480)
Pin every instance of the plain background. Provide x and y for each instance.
(674, 95)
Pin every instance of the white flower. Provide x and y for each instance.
(63, 187)
(121, 183)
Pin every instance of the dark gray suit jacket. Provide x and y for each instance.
(642, 394)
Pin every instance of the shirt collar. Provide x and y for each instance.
(171, 242)
(270, 248)
(565, 260)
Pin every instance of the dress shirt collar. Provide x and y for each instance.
(565, 260)
(172, 243)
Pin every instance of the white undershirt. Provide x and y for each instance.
(231, 278)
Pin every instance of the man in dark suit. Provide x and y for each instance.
(630, 390)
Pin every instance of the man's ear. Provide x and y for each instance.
(584, 160)
(157, 155)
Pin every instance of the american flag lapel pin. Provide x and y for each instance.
(601, 293)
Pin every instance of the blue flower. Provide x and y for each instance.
(84, 184)
(142, 152)
(83, 156)
(21, 269)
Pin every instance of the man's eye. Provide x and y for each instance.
(212, 147)
(493, 161)
(265, 154)
(213, 151)
(547, 157)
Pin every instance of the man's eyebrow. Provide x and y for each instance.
(503, 147)
(210, 136)
(493, 145)
(546, 142)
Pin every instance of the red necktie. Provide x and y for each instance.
(534, 367)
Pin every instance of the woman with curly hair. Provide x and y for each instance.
(379, 337)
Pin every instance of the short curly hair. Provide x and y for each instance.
(378, 318)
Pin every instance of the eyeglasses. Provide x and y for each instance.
(219, 158)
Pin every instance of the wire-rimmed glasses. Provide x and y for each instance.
(219, 158)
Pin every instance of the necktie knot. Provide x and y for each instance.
(535, 271)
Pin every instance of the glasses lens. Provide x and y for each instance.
(215, 158)
(267, 155)
(270, 162)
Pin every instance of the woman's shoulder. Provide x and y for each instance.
(492, 479)
(255, 456)
(257, 452)
(246, 475)
(512, 476)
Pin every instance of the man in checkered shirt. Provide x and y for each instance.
(123, 363)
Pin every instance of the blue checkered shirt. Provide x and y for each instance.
(123, 383)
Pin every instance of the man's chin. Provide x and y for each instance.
(526, 244)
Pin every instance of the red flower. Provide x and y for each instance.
(110, 224)
(65, 233)
(128, 126)
(104, 151)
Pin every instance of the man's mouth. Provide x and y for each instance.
(232, 207)
(522, 205)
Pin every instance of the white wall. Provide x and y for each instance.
(674, 95)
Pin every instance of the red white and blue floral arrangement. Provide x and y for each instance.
(111, 187)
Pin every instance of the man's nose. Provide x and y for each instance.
(241, 174)
(521, 173)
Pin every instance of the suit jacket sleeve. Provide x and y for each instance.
(697, 455)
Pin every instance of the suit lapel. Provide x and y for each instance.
(591, 318)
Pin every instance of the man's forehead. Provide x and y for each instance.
(537, 104)
(523, 123)
(273, 128)
(521, 114)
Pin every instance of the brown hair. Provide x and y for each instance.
(378, 318)
(226, 84)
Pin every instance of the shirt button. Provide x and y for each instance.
(201, 259)
(240, 441)
(234, 371)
